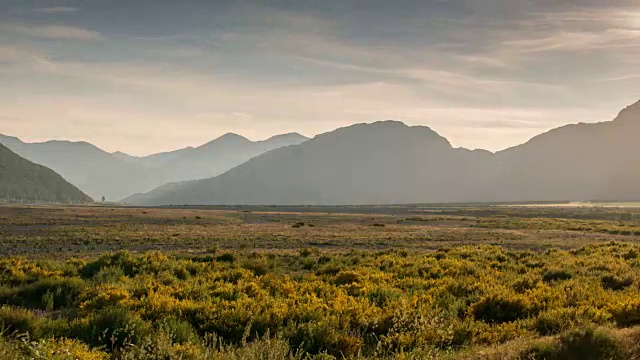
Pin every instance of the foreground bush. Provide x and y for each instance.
(387, 304)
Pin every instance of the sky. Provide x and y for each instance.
(143, 76)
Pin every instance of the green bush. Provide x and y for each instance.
(109, 274)
(227, 257)
(581, 344)
(19, 322)
(48, 294)
(556, 275)
(259, 267)
(124, 260)
(498, 309)
(616, 283)
(347, 277)
(114, 328)
(179, 331)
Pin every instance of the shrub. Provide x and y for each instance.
(626, 313)
(306, 252)
(554, 321)
(114, 328)
(179, 331)
(347, 277)
(20, 322)
(611, 282)
(589, 344)
(159, 346)
(227, 257)
(498, 309)
(259, 267)
(525, 284)
(52, 293)
(556, 275)
(579, 344)
(122, 259)
(631, 254)
(264, 349)
(109, 274)
(60, 349)
(319, 337)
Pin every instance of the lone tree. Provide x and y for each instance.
(103, 198)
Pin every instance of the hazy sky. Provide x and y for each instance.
(149, 75)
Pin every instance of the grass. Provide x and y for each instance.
(473, 283)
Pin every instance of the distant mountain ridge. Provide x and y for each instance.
(389, 162)
(118, 175)
(24, 181)
(363, 163)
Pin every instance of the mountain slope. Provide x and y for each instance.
(118, 175)
(218, 156)
(384, 162)
(22, 180)
(389, 162)
(577, 162)
(91, 169)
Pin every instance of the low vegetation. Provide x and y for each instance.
(457, 301)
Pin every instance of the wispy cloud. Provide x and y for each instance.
(482, 83)
(52, 32)
(56, 10)
(575, 41)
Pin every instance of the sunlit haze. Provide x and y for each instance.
(147, 76)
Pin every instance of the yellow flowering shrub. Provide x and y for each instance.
(320, 303)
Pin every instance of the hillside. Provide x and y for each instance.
(94, 171)
(389, 162)
(24, 181)
(577, 162)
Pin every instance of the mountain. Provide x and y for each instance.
(153, 160)
(577, 162)
(118, 175)
(91, 169)
(22, 180)
(218, 156)
(380, 163)
(125, 157)
(389, 162)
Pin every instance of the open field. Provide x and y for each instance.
(350, 282)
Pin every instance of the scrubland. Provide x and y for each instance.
(464, 283)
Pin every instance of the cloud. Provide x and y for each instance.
(575, 41)
(56, 10)
(19, 55)
(53, 32)
(482, 83)
(620, 78)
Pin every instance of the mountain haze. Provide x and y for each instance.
(94, 171)
(217, 156)
(22, 180)
(118, 175)
(577, 162)
(389, 162)
(384, 162)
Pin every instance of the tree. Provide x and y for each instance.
(103, 198)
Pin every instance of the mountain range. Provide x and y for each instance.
(385, 162)
(391, 163)
(118, 175)
(24, 181)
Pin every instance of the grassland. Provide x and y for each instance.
(362, 283)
